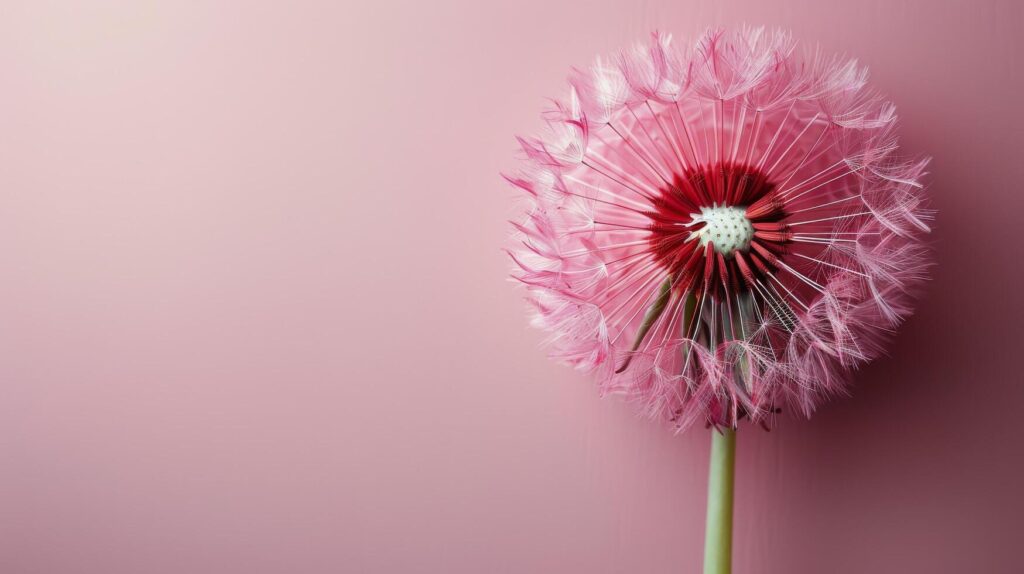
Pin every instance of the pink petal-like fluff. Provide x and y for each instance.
(720, 232)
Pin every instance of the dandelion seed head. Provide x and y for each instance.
(721, 229)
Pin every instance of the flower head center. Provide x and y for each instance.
(727, 227)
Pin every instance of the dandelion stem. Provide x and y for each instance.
(718, 532)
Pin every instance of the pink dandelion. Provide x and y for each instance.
(721, 232)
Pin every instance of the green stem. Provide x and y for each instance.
(718, 532)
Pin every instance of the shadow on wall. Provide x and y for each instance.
(916, 463)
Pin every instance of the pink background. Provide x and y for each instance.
(254, 316)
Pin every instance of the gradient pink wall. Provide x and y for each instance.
(254, 317)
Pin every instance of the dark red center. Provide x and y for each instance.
(699, 267)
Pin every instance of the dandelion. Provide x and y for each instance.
(720, 232)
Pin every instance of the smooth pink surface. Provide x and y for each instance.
(255, 316)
